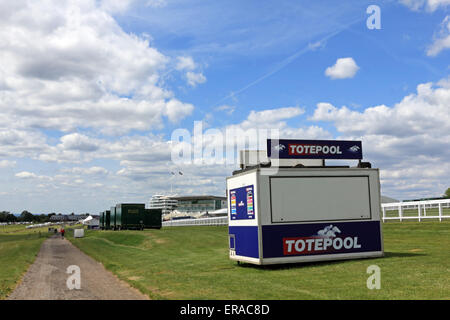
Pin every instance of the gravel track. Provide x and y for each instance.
(46, 278)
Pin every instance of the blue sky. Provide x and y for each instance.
(91, 92)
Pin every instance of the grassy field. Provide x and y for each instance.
(192, 263)
(18, 249)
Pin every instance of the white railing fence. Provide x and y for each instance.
(437, 209)
(216, 221)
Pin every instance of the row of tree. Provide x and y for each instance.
(25, 216)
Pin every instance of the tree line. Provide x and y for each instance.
(25, 216)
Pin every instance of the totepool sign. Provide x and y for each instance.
(326, 241)
(313, 149)
(315, 239)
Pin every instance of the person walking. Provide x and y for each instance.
(62, 232)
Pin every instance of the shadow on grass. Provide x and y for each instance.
(387, 255)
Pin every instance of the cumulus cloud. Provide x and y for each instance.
(270, 118)
(76, 141)
(185, 63)
(26, 175)
(425, 112)
(193, 78)
(115, 6)
(441, 40)
(69, 64)
(343, 68)
(429, 5)
(408, 141)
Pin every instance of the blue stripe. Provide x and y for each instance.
(246, 240)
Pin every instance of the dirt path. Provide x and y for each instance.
(46, 278)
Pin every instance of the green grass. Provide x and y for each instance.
(193, 263)
(18, 250)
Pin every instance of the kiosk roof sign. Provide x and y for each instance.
(313, 149)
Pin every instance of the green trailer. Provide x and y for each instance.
(112, 218)
(102, 220)
(135, 216)
(130, 215)
(153, 218)
(107, 219)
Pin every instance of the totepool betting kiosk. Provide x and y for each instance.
(296, 213)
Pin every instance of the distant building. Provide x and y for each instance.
(187, 205)
(67, 217)
(193, 204)
(166, 203)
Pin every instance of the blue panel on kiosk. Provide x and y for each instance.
(245, 240)
(320, 238)
(313, 149)
(242, 203)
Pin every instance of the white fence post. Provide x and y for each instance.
(440, 205)
(216, 221)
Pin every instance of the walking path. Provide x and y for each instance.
(46, 279)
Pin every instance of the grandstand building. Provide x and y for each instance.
(165, 203)
(196, 204)
(187, 205)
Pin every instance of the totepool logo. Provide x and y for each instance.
(279, 147)
(326, 241)
(312, 149)
(354, 149)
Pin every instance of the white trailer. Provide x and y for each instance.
(304, 214)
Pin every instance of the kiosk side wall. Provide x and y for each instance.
(307, 214)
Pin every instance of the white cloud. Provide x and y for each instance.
(429, 5)
(95, 170)
(185, 63)
(30, 175)
(226, 108)
(194, 79)
(409, 141)
(441, 40)
(270, 117)
(176, 110)
(426, 112)
(68, 64)
(342, 69)
(21, 143)
(76, 141)
(7, 164)
(156, 3)
(26, 175)
(115, 6)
